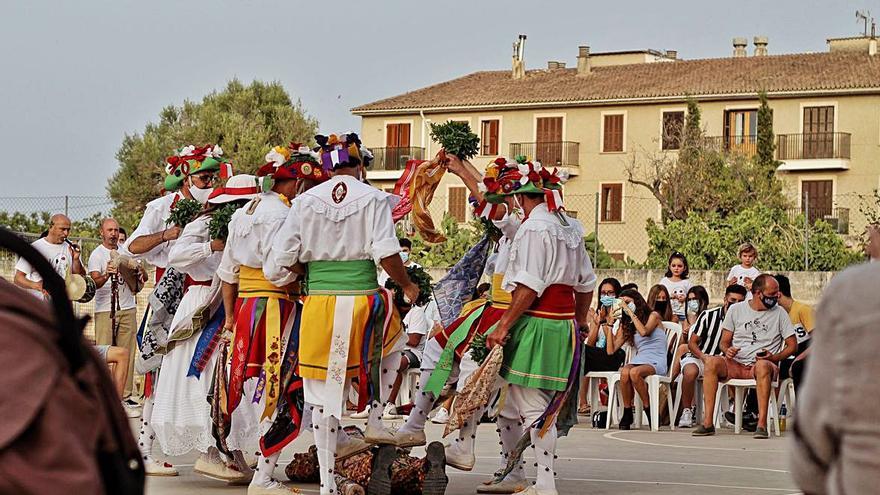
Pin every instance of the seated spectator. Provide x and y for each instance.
(697, 300)
(117, 358)
(704, 341)
(417, 326)
(642, 329)
(598, 355)
(658, 300)
(629, 286)
(405, 252)
(756, 335)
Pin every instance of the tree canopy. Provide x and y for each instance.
(245, 120)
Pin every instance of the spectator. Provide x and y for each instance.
(745, 272)
(405, 252)
(704, 341)
(482, 291)
(123, 236)
(677, 283)
(697, 302)
(643, 330)
(598, 354)
(417, 327)
(658, 300)
(54, 246)
(103, 272)
(801, 316)
(756, 335)
(629, 286)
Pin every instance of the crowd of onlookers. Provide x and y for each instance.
(758, 332)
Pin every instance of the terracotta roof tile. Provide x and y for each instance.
(705, 77)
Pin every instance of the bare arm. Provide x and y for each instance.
(522, 299)
(230, 296)
(595, 328)
(694, 347)
(788, 350)
(22, 281)
(467, 173)
(726, 344)
(393, 266)
(582, 302)
(644, 329)
(614, 342)
(146, 243)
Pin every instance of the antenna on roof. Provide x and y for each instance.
(863, 16)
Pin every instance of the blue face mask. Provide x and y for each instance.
(606, 301)
(631, 306)
(693, 306)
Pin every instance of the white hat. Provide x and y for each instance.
(241, 186)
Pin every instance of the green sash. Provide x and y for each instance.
(341, 278)
(444, 365)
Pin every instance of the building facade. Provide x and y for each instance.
(615, 109)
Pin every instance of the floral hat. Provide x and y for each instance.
(521, 176)
(342, 150)
(190, 160)
(295, 161)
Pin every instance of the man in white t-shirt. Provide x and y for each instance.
(405, 252)
(103, 271)
(53, 247)
(756, 336)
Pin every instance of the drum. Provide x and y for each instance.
(80, 288)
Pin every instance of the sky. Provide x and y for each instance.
(76, 77)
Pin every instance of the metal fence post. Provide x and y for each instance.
(596, 234)
(806, 200)
(66, 202)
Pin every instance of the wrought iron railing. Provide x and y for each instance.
(395, 158)
(556, 153)
(816, 145)
(837, 218)
(745, 144)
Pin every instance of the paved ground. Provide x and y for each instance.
(594, 462)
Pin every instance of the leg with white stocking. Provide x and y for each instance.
(265, 470)
(423, 403)
(510, 429)
(146, 436)
(531, 403)
(325, 429)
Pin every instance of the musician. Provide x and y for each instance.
(105, 274)
(61, 253)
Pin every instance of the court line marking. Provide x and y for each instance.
(611, 435)
(600, 459)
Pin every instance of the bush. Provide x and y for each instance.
(603, 259)
(710, 241)
(459, 239)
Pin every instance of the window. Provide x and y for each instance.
(458, 204)
(612, 202)
(397, 150)
(673, 125)
(397, 135)
(741, 131)
(489, 137)
(818, 132)
(548, 137)
(817, 198)
(618, 256)
(612, 140)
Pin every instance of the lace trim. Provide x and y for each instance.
(177, 441)
(334, 214)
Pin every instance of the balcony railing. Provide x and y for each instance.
(745, 144)
(812, 146)
(558, 153)
(395, 158)
(837, 218)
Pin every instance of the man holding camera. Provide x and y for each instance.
(756, 335)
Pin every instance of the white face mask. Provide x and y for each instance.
(404, 256)
(517, 208)
(200, 195)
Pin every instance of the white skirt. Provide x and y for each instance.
(246, 428)
(181, 412)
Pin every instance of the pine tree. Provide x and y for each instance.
(764, 158)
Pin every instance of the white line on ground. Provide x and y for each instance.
(662, 462)
(676, 483)
(612, 436)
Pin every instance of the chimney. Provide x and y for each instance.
(739, 47)
(553, 65)
(519, 68)
(583, 67)
(760, 45)
(672, 54)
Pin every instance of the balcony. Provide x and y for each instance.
(837, 218)
(814, 151)
(745, 144)
(394, 159)
(550, 154)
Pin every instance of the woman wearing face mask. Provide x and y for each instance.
(697, 302)
(642, 329)
(598, 356)
(658, 300)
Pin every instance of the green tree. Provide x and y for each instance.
(20, 222)
(459, 239)
(766, 147)
(245, 120)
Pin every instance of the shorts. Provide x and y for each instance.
(689, 359)
(414, 361)
(739, 371)
(102, 351)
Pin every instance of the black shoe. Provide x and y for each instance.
(703, 431)
(435, 479)
(380, 477)
(627, 420)
(749, 420)
(761, 433)
(648, 414)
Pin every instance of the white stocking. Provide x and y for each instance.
(545, 451)
(146, 436)
(467, 434)
(510, 431)
(423, 403)
(265, 469)
(325, 440)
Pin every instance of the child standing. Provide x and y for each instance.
(677, 284)
(744, 273)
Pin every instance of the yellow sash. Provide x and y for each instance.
(499, 296)
(252, 283)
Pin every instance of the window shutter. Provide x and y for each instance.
(458, 203)
(489, 138)
(613, 139)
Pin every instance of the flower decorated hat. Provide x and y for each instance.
(295, 161)
(341, 150)
(190, 160)
(521, 176)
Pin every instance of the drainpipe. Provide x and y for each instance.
(425, 143)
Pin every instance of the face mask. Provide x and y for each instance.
(631, 306)
(606, 301)
(200, 195)
(517, 208)
(404, 256)
(769, 302)
(660, 306)
(693, 306)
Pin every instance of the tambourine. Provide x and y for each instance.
(80, 288)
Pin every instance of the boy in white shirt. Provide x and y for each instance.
(746, 272)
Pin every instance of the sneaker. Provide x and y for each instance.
(627, 420)
(129, 402)
(131, 411)
(362, 414)
(703, 431)
(687, 418)
(761, 433)
(390, 412)
(458, 459)
(155, 468)
(441, 417)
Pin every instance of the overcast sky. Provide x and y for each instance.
(76, 76)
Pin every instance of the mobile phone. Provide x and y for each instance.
(763, 353)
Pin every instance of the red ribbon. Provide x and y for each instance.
(234, 191)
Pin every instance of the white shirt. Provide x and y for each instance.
(383, 277)
(342, 219)
(416, 323)
(741, 272)
(60, 256)
(192, 254)
(98, 263)
(154, 221)
(544, 252)
(251, 234)
(676, 288)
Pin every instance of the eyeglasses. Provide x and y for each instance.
(206, 177)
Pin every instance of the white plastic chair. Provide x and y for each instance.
(698, 397)
(407, 385)
(740, 386)
(654, 382)
(612, 377)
